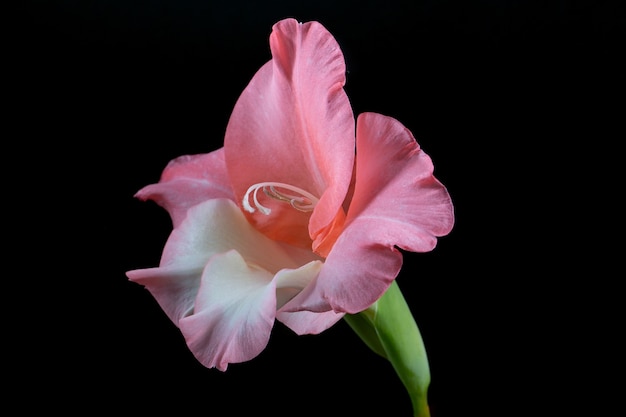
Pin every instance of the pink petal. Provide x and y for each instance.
(356, 273)
(395, 185)
(187, 181)
(293, 124)
(397, 202)
(234, 312)
(308, 322)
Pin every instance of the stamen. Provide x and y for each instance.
(301, 200)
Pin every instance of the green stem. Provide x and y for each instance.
(389, 329)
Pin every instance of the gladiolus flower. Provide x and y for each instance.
(299, 216)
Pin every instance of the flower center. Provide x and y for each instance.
(297, 197)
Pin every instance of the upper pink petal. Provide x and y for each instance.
(293, 124)
(187, 181)
(396, 202)
(395, 185)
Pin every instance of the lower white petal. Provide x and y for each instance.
(234, 312)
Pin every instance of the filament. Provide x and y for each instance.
(298, 198)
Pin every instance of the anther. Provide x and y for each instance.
(297, 197)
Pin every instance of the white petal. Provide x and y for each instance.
(234, 312)
(290, 282)
(217, 226)
(210, 228)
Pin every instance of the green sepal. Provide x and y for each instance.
(390, 330)
(363, 325)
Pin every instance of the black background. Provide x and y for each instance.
(511, 99)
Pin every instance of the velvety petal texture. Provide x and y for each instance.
(293, 124)
(397, 201)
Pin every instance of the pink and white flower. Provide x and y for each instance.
(299, 216)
